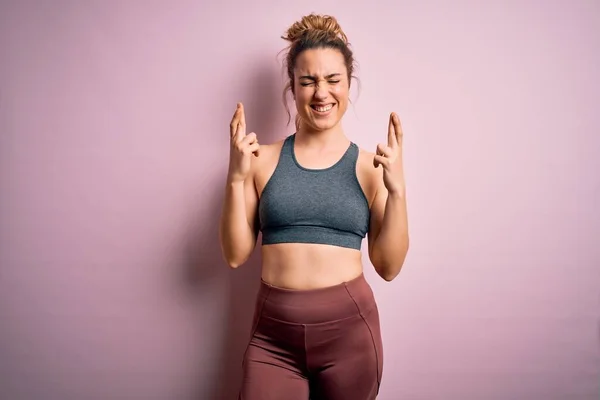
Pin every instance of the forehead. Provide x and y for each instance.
(320, 62)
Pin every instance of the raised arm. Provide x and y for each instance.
(388, 234)
(238, 227)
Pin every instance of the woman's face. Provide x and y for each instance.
(321, 88)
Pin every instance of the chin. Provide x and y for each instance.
(324, 126)
(321, 126)
(320, 122)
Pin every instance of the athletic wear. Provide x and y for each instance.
(323, 343)
(326, 206)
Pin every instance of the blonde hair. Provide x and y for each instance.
(310, 32)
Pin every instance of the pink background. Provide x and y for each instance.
(113, 149)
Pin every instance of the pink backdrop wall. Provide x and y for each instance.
(113, 148)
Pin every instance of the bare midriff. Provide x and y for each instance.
(305, 266)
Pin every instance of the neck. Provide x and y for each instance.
(310, 137)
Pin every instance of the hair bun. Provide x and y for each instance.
(315, 22)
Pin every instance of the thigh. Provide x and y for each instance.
(272, 364)
(354, 367)
(266, 381)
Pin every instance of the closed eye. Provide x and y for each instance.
(312, 83)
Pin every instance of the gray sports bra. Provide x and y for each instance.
(325, 206)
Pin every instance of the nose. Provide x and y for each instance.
(321, 91)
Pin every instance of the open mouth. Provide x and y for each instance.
(322, 108)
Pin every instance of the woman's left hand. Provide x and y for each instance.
(390, 157)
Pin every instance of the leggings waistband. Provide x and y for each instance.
(314, 306)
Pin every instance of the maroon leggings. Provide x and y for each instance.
(318, 344)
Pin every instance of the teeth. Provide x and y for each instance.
(323, 108)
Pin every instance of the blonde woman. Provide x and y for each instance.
(315, 196)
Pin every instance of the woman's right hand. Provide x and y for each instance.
(242, 147)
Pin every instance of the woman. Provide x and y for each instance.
(314, 196)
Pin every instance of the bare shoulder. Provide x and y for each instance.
(369, 177)
(266, 154)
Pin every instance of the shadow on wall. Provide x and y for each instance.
(262, 101)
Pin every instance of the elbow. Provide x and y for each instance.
(233, 261)
(388, 269)
(388, 274)
(230, 261)
(229, 258)
(389, 260)
(234, 258)
(235, 250)
(232, 264)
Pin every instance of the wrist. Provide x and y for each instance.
(234, 182)
(398, 193)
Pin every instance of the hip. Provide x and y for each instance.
(347, 300)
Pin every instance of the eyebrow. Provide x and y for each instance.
(314, 78)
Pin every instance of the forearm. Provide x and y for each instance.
(391, 244)
(236, 235)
